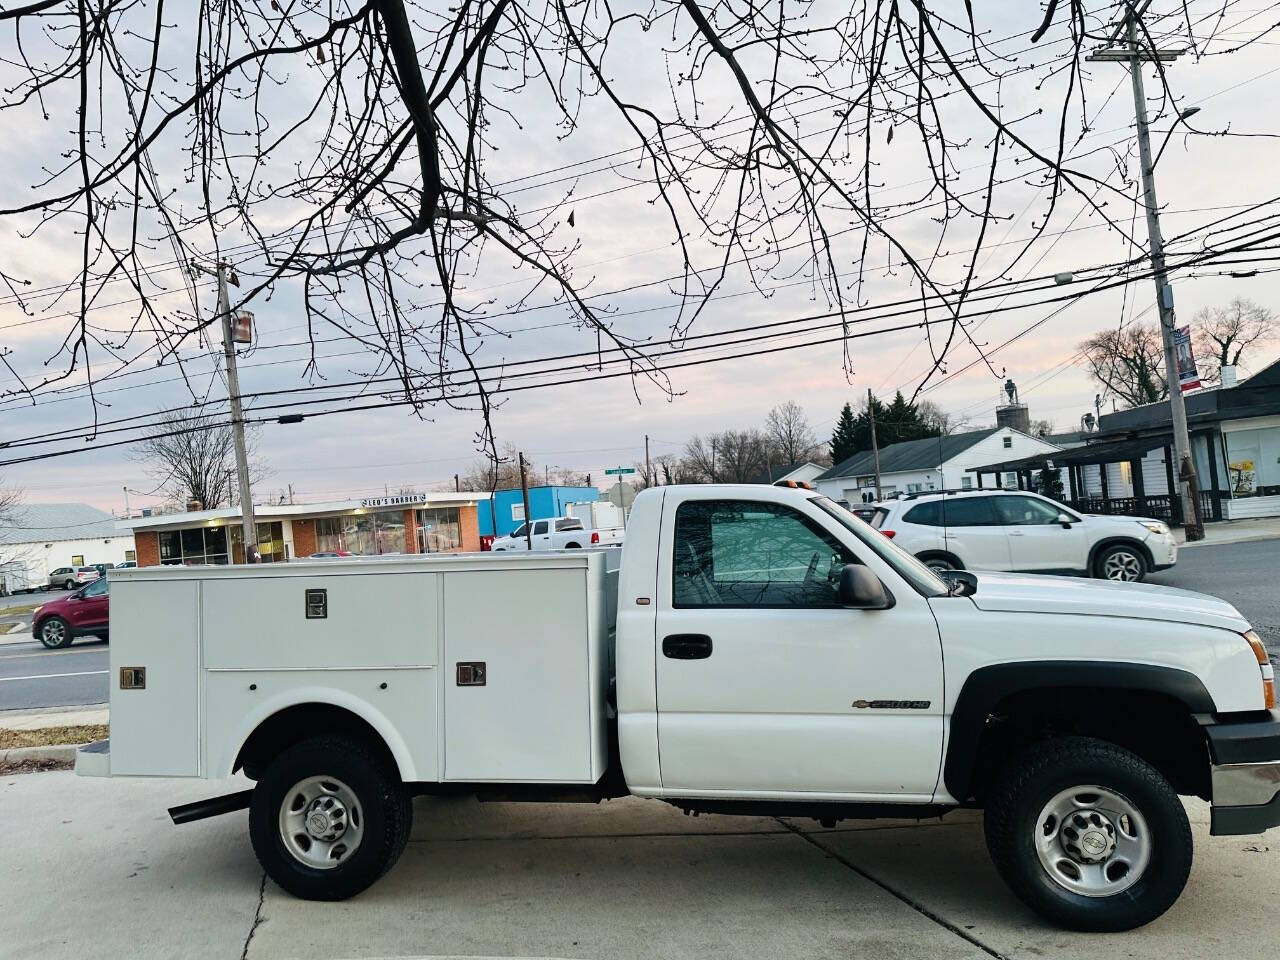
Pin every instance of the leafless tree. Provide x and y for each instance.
(502, 473)
(1128, 363)
(938, 419)
(730, 456)
(371, 159)
(1223, 334)
(1041, 428)
(10, 513)
(195, 459)
(791, 438)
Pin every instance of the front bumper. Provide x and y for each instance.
(1164, 552)
(1245, 775)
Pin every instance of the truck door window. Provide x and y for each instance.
(519, 531)
(540, 528)
(746, 553)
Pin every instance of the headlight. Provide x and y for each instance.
(1157, 527)
(1264, 665)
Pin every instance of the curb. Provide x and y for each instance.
(60, 753)
(1222, 543)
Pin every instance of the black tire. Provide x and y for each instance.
(69, 585)
(939, 562)
(44, 588)
(1121, 556)
(1031, 780)
(54, 633)
(384, 804)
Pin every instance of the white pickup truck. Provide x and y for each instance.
(773, 654)
(556, 533)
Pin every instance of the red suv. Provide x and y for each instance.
(80, 614)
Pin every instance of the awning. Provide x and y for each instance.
(1107, 451)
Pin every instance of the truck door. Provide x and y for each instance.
(542, 535)
(765, 685)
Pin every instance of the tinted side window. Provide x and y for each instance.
(519, 531)
(96, 589)
(969, 512)
(927, 514)
(563, 525)
(1022, 511)
(745, 553)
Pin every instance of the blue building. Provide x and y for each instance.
(507, 510)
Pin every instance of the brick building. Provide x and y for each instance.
(408, 523)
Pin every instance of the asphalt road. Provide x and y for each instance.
(31, 676)
(1245, 574)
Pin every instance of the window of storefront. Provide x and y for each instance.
(364, 535)
(1253, 462)
(439, 530)
(197, 545)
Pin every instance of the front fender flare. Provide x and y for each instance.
(987, 686)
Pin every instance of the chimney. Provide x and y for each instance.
(1228, 375)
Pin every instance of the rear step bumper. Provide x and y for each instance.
(94, 759)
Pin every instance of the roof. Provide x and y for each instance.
(267, 511)
(33, 522)
(782, 471)
(925, 454)
(1258, 396)
(1105, 451)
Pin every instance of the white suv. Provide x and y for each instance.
(1023, 531)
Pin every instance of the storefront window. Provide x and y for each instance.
(193, 546)
(270, 543)
(362, 534)
(1253, 462)
(439, 530)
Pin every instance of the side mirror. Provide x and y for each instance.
(1065, 521)
(860, 589)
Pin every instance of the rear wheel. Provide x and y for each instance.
(1120, 562)
(329, 816)
(1088, 835)
(940, 563)
(54, 632)
(69, 585)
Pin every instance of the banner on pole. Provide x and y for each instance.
(1188, 376)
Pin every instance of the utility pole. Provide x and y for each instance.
(648, 470)
(875, 444)
(1185, 474)
(126, 503)
(524, 495)
(248, 524)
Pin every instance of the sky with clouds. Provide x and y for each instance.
(626, 243)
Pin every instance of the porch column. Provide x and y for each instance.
(1211, 441)
(1106, 493)
(1139, 488)
(979, 479)
(1071, 481)
(1175, 501)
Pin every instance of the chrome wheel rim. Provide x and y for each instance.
(1092, 841)
(1122, 566)
(53, 632)
(321, 822)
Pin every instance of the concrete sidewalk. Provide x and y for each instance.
(1232, 531)
(97, 870)
(54, 717)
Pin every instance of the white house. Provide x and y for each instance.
(799, 472)
(45, 536)
(934, 463)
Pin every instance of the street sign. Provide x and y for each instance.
(619, 471)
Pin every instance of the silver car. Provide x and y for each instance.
(68, 578)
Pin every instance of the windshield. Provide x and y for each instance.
(911, 569)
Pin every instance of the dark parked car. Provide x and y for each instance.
(80, 614)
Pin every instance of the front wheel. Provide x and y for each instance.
(329, 816)
(1088, 835)
(55, 633)
(69, 585)
(1121, 562)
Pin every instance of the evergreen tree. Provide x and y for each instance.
(844, 442)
